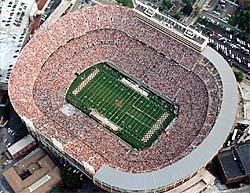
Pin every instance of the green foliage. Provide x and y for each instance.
(71, 180)
(166, 5)
(239, 76)
(187, 1)
(177, 15)
(127, 3)
(233, 21)
(197, 11)
(187, 9)
(244, 19)
(62, 189)
(55, 190)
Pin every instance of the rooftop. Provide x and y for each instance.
(172, 25)
(235, 161)
(19, 145)
(34, 173)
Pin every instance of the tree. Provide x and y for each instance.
(239, 76)
(197, 11)
(244, 19)
(177, 15)
(127, 3)
(71, 180)
(55, 190)
(187, 9)
(233, 21)
(165, 5)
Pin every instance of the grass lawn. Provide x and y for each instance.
(127, 3)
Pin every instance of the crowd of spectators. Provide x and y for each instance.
(48, 64)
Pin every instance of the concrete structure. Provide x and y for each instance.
(199, 183)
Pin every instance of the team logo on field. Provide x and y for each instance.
(118, 102)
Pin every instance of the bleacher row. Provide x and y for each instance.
(48, 65)
(85, 82)
(155, 127)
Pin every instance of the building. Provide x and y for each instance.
(14, 33)
(235, 163)
(21, 147)
(19, 20)
(157, 53)
(35, 173)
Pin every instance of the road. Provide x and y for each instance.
(5, 186)
(213, 5)
(225, 45)
(238, 190)
(218, 19)
(232, 61)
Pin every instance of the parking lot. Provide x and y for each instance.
(228, 42)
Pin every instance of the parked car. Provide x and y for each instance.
(8, 145)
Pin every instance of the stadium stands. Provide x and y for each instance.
(48, 64)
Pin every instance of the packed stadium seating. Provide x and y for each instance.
(159, 61)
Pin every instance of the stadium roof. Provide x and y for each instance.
(199, 157)
(172, 24)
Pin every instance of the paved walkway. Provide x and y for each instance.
(245, 85)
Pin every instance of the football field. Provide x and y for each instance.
(135, 114)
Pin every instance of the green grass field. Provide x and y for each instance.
(140, 119)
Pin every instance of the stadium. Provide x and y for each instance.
(127, 98)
